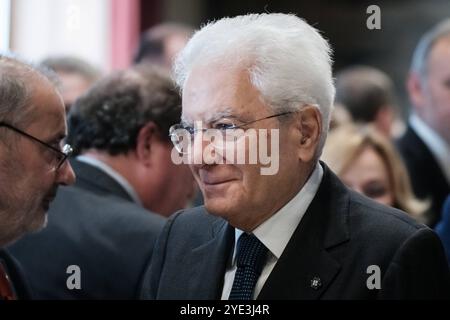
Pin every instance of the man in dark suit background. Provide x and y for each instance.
(32, 160)
(425, 147)
(160, 44)
(369, 96)
(282, 227)
(443, 228)
(101, 227)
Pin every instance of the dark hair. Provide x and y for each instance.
(363, 91)
(109, 116)
(152, 45)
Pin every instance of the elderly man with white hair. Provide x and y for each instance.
(297, 232)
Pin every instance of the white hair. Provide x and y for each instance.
(289, 62)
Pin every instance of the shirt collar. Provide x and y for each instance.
(276, 231)
(113, 174)
(438, 147)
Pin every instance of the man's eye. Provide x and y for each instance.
(224, 126)
(189, 129)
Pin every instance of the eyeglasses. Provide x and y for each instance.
(227, 133)
(61, 155)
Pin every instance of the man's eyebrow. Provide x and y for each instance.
(221, 115)
(225, 113)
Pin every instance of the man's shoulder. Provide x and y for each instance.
(356, 217)
(104, 209)
(197, 214)
(365, 218)
(194, 225)
(370, 220)
(197, 218)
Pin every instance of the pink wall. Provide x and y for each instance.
(125, 28)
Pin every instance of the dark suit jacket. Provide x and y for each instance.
(443, 228)
(341, 234)
(96, 226)
(16, 275)
(427, 178)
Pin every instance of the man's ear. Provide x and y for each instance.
(415, 90)
(310, 126)
(144, 141)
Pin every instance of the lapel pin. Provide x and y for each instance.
(316, 283)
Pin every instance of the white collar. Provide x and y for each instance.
(276, 231)
(438, 147)
(113, 174)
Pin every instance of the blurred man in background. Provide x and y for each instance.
(32, 160)
(107, 223)
(75, 76)
(368, 94)
(160, 44)
(425, 146)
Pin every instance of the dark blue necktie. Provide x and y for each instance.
(250, 260)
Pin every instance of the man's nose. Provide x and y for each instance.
(203, 150)
(198, 144)
(66, 175)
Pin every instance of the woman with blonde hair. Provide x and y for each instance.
(367, 162)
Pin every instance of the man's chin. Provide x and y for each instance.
(219, 207)
(39, 222)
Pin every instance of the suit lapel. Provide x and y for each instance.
(423, 153)
(306, 269)
(429, 183)
(207, 263)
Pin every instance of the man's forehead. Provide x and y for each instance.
(215, 92)
(210, 115)
(48, 109)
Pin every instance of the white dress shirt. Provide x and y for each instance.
(438, 147)
(113, 174)
(276, 232)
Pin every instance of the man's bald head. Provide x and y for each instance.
(18, 83)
